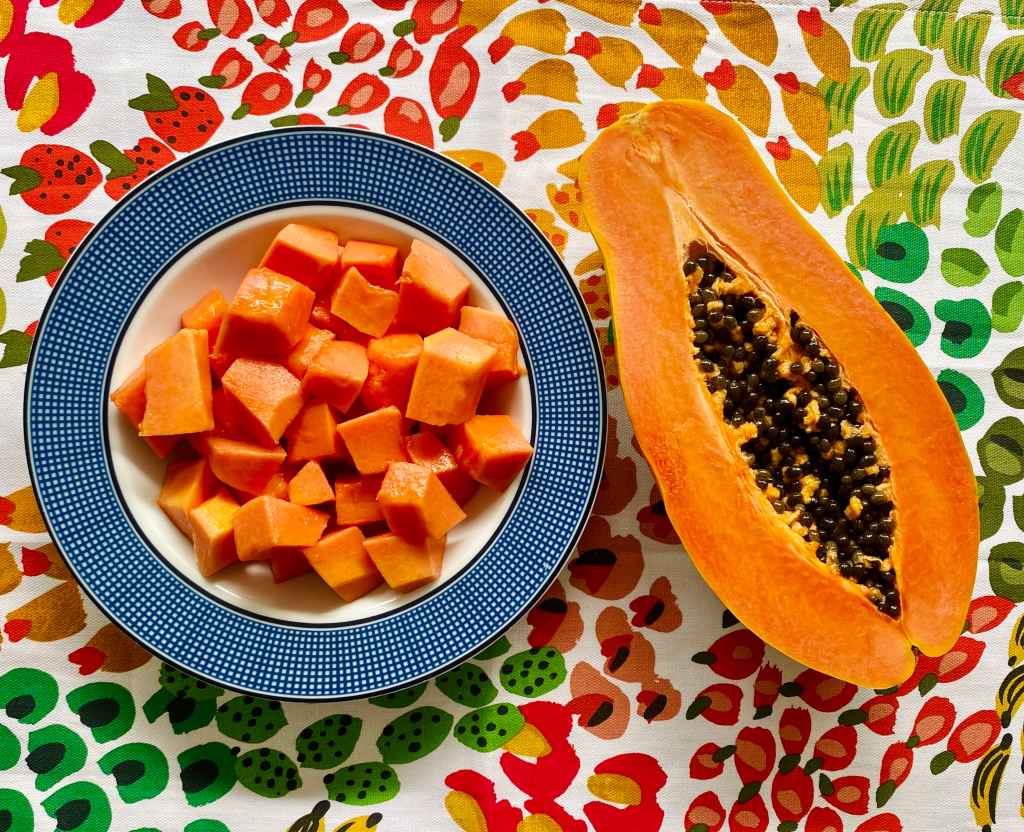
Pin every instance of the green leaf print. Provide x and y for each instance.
(414, 734)
(17, 346)
(840, 99)
(1006, 571)
(207, 772)
(54, 752)
(83, 807)
(1004, 62)
(835, 171)
(468, 685)
(963, 267)
(267, 772)
(1010, 242)
(991, 505)
(942, 108)
(1018, 511)
(106, 709)
(493, 650)
(877, 209)
(932, 22)
(967, 37)
(362, 784)
(1008, 378)
(896, 79)
(1001, 451)
(926, 186)
(1013, 13)
(890, 151)
(984, 142)
(968, 327)
(27, 695)
(250, 718)
(399, 698)
(964, 397)
(10, 748)
(908, 314)
(328, 742)
(871, 29)
(1008, 306)
(489, 728)
(533, 672)
(139, 770)
(984, 206)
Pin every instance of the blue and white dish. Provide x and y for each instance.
(200, 223)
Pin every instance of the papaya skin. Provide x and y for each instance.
(689, 173)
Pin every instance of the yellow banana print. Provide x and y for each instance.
(1015, 648)
(614, 59)
(672, 82)
(542, 29)
(552, 77)
(680, 35)
(556, 128)
(806, 111)
(987, 776)
(746, 26)
(742, 93)
(1010, 695)
(824, 44)
(797, 172)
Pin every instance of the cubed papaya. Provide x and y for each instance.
(267, 525)
(431, 291)
(426, 449)
(403, 564)
(213, 535)
(355, 500)
(305, 351)
(314, 434)
(449, 378)
(267, 317)
(309, 487)
(179, 392)
(304, 253)
(378, 262)
(130, 400)
(220, 361)
(336, 374)
(228, 423)
(186, 485)
(277, 486)
(322, 317)
(364, 306)
(491, 449)
(243, 465)
(206, 313)
(288, 564)
(498, 331)
(341, 560)
(392, 365)
(415, 504)
(374, 440)
(268, 397)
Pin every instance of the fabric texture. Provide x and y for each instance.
(894, 126)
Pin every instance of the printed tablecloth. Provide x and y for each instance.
(894, 126)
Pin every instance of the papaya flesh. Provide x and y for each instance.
(815, 474)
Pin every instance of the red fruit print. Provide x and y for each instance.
(781, 149)
(809, 21)
(229, 70)
(723, 76)
(89, 659)
(548, 776)
(719, 704)
(987, 613)
(362, 94)
(15, 15)
(823, 819)
(749, 815)
(53, 178)
(47, 257)
(606, 113)
(555, 622)
(266, 93)
(586, 45)
(897, 762)
(39, 55)
(706, 810)
(193, 37)
(34, 562)
(499, 815)
(407, 119)
(649, 77)
(296, 119)
(185, 117)
(717, 7)
(31, 329)
(885, 822)
(650, 15)
(454, 76)
(17, 629)
(563, 820)
(974, 736)
(272, 53)
(643, 816)
(316, 20)
(960, 660)
(658, 700)
(766, 690)
(934, 721)
(164, 9)
(792, 795)
(360, 43)
(848, 794)
(735, 655)
(824, 693)
(924, 667)
(708, 761)
(794, 730)
(788, 81)
(7, 508)
(403, 60)
(654, 522)
(273, 12)
(314, 79)
(755, 754)
(131, 166)
(600, 707)
(1014, 85)
(430, 18)
(880, 714)
(836, 748)
(658, 610)
(232, 18)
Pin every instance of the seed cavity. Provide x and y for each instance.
(798, 423)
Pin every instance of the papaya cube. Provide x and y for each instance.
(341, 560)
(374, 440)
(305, 351)
(498, 331)
(378, 262)
(392, 365)
(491, 449)
(288, 564)
(213, 535)
(179, 393)
(431, 291)
(269, 397)
(277, 486)
(403, 564)
(130, 400)
(449, 379)
(227, 422)
(322, 317)
(219, 362)
(266, 526)
(310, 487)
(314, 434)
(267, 316)
(336, 374)
(355, 500)
(415, 504)
(427, 450)
(304, 253)
(186, 485)
(242, 465)
(362, 305)
(206, 313)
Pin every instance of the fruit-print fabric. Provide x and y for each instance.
(628, 699)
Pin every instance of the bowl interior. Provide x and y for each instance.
(221, 261)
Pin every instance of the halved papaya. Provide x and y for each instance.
(806, 456)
